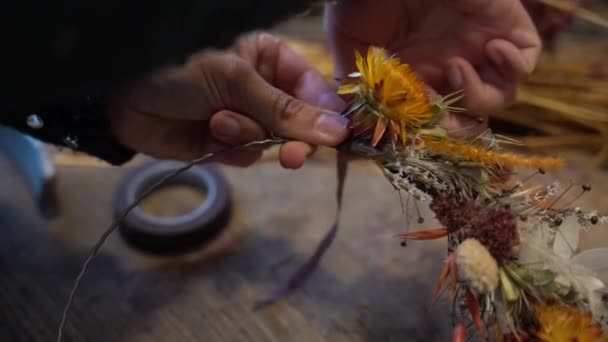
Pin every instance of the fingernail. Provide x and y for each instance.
(228, 127)
(332, 125)
(331, 101)
(454, 76)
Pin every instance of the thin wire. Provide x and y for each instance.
(585, 189)
(561, 195)
(403, 214)
(420, 218)
(135, 203)
(407, 211)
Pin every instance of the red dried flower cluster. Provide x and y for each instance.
(496, 229)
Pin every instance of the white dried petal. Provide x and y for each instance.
(476, 267)
(596, 260)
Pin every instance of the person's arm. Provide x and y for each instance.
(61, 60)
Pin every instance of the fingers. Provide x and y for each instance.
(283, 68)
(207, 144)
(169, 93)
(293, 154)
(234, 129)
(269, 89)
(492, 84)
(485, 89)
(284, 115)
(512, 63)
(241, 88)
(172, 139)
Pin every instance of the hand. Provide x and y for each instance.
(483, 47)
(225, 98)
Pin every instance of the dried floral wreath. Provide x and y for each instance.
(512, 270)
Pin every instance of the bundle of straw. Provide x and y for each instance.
(566, 98)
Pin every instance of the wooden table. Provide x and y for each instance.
(368, 287)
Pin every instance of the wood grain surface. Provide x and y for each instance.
(368, 287)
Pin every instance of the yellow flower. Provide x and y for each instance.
(560, 323)
(390, 97)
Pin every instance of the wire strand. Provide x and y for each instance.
(102, 239)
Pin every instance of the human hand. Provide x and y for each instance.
(483, 47)
(225, 98)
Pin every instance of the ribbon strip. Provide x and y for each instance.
(305, 271)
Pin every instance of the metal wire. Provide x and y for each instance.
(102, 239)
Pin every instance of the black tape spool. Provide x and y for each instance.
(179, 234)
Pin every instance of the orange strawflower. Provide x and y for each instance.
(391, 102)
(561, 323)
(391, 97)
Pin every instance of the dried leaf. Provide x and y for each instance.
(542, 277)
(459, 333)
(445, 271)
(475, 314)
(508, 288)
(427, 234)
(381, 125)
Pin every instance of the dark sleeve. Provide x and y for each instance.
(61, 59)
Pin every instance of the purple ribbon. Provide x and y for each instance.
(306, 270)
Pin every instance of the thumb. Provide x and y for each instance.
(283, 114)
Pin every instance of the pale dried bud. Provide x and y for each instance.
(476, 267)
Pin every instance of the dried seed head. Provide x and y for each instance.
(496, 229)
(476, 267)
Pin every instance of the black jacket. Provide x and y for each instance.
(60, 59)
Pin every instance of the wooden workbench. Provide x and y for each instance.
(368, 287)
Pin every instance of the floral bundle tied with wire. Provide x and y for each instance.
(512, 268)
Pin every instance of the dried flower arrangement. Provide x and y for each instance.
(512, 264)
(513, 269)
